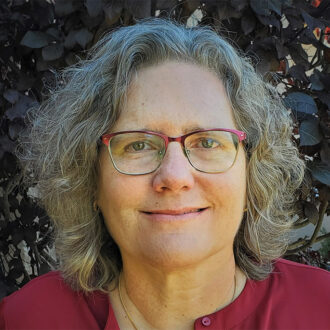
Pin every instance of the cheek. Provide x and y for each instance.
(226, 193)
(225, 188)
(115, 190)
(119, 198)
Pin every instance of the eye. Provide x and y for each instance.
(207, 143)
(138, 146)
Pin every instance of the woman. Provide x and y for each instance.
(167, 166)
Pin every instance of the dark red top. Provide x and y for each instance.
(294, 296)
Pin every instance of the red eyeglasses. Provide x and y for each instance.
(141, 152)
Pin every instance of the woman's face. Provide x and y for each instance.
(173, 98)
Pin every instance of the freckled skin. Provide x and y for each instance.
(170, 98)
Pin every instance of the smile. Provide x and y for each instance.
(174, 215)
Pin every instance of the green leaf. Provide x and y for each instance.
(299, 55)
(21, 106)
(239, 4)
(309, 132)
(52, 52)
(141, 9)
(248, 23)
(83, 37)
(320, 172)
(317, 84)
(113, 11)
(94, 7)
(312, 22)
(70, 39)
(30, 235)
(311, 212)
(264, 7)
(11, 95)
(301, 103)
(17, 237)
(35, 39)
(64, 7)
(6, 145)
(298, 72)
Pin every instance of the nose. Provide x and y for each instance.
(175, 173)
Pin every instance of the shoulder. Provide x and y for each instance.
(289, 270)
(42, 301)
(52, 279)
(40, 289)
(301, 282)
(293, 296)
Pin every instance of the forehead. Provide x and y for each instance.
(175, 98)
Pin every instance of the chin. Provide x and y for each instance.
(176, 252)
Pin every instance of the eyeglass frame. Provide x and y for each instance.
(105, 138)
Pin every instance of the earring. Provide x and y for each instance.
(95, 206)
(245, 210)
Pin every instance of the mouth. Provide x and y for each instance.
(177, 212)
(176, 215)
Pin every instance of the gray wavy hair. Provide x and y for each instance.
(62, 146)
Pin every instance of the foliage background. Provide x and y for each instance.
(39, 36)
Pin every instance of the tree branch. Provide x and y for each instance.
(301, 224)
(296, 35)
(304, 241)
(48, 258)
(11, 185)
(313, 239)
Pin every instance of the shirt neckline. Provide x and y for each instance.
(241, 308)
(227, 317)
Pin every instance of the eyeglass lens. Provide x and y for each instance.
(141, 153)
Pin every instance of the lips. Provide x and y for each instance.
(177, 215)
(177, 211)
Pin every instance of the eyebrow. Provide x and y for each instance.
(185, 131)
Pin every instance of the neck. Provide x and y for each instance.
(163, 299)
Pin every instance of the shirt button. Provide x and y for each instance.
(206, 321)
